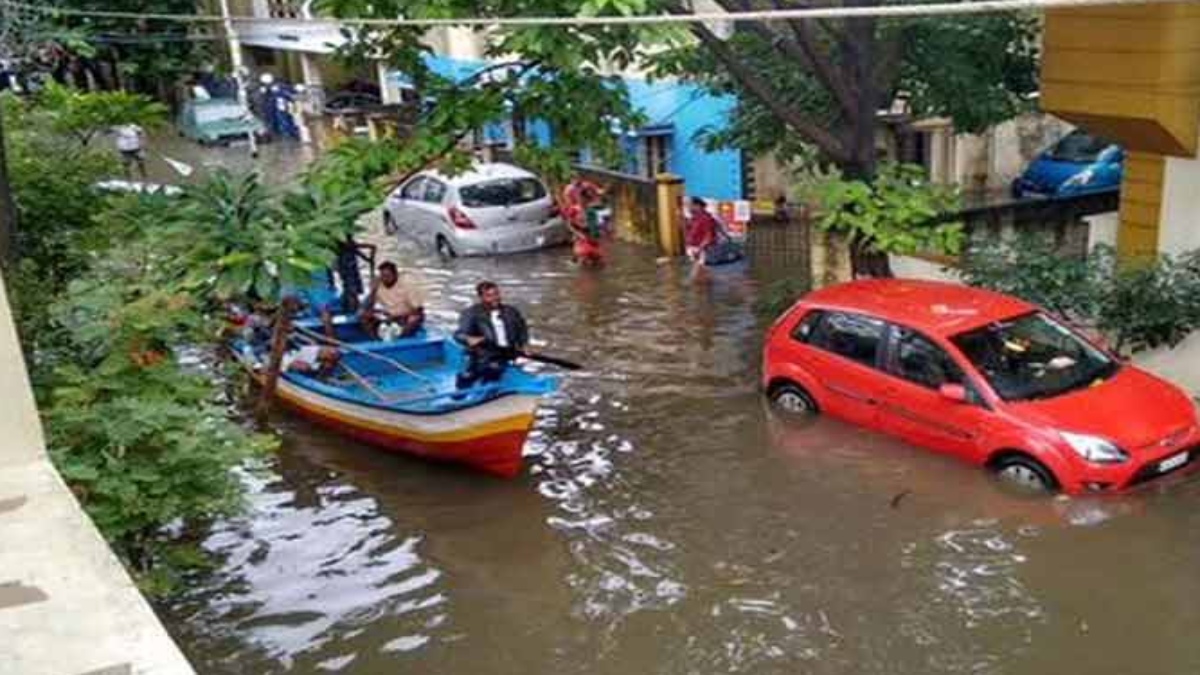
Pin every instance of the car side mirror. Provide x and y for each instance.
(953, 392)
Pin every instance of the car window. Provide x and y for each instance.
(414, 189)
(1033, 356)
(920, 361)
(434, 191)
(502, 192)
(806, 328)
(218, 112)
(850, 335)
(1078, 146)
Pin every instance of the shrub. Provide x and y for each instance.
(1137, 306)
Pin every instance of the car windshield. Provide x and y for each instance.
(215, 113)
(1078, 147)
(503, 192)
(1034, 356)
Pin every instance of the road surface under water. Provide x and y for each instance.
(668, 523)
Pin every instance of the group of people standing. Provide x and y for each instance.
(582, 205)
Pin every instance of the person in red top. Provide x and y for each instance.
(579, 195)
(701, 231)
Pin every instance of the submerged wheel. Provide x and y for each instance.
(793, 399)
(389, 224)
(444, 248)
(1026, 473)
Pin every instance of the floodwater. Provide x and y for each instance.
(668, 523)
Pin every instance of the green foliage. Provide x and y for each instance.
(1031, 268)
(83, 115)
(977, 70)
(233, 240)
(780, 295)
(897, 212)
(554, 75)
(1139, 306)
(115, 298)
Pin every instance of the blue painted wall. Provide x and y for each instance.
(685, 108)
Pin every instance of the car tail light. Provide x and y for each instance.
(460, 219)
(553, 211)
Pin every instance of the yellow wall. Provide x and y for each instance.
(1131, 74)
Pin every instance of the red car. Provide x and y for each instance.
(983, 376)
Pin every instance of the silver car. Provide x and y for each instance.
(494, 208)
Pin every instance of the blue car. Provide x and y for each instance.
(1076, 164)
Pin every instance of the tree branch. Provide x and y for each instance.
(819, 63)
(763, 91)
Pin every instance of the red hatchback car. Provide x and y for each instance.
(983, 376)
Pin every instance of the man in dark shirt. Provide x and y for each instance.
(493, 333)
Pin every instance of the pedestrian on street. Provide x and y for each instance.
(581, 200)
(129, 140)
(701, 234)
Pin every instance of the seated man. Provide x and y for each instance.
(494, 334)
(314, 360)
(392, 302)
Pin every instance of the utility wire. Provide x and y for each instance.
(882, 11)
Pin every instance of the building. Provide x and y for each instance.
(677, 112)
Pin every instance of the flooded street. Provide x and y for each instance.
(667, 523)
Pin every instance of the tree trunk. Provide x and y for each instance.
(860, 52)
(279, 339)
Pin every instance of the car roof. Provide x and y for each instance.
(482, 172)
(935, 307)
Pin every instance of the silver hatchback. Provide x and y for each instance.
(494, 208)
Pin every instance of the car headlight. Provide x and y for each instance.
(1094, 449)
(1081, 179)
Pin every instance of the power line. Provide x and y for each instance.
(883, 11)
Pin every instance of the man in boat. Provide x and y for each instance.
(393, 306)
(493, 333)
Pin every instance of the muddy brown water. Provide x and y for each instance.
(668, 523)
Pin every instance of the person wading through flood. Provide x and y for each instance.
(701, 233)
(579, 197)
(493, 333)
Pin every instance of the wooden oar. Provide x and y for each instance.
(360, 378)
(379, 357)
(553, 360)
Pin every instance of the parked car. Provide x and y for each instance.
(218, 120)
(983, 376)
(1077, 163)
(493, 208)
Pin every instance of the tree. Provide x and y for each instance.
(82, 114)
(557, 78)
(814, 88)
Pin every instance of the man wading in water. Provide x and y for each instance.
(494, 334)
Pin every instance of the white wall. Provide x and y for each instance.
(1179, 226)
(1102, 229)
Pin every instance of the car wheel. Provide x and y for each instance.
(389, 224)
(793, 399)
(444, 248)
(1026, 473)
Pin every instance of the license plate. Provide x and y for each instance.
(1173, 462)
(239, 143)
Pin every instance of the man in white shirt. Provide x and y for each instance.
(129, 139)
(493, 333)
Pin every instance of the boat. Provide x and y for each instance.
(401, 396)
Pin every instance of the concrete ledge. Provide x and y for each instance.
(67, 606)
